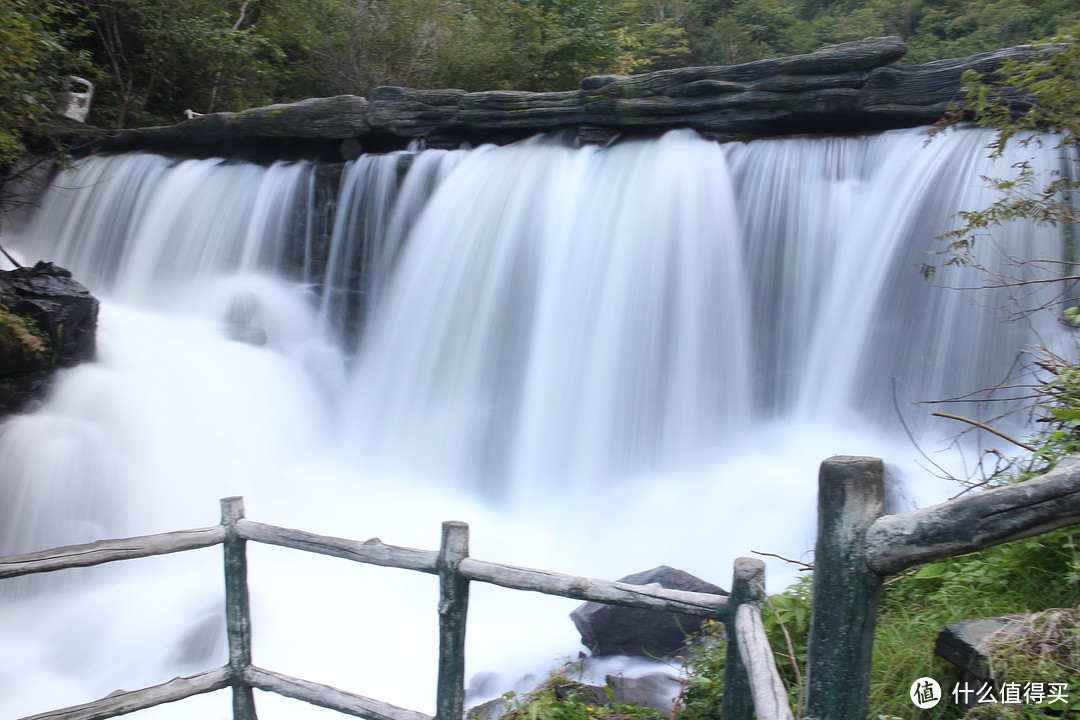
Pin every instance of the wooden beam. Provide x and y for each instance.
(747, 587)
(976, 521)
(327, 697)
(767, 689)
(121, 703)
(372, 552)
(453, 613)
(104, 551)
(846, 592)
(237, 609)
(698, 604)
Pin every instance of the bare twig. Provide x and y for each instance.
(12, 260)
(896, 405)
(987, 428)
(803, 565)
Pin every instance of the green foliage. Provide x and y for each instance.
(1044, 649)
(1022, 577)
(786, 619)
(537, 45)
(1060, 435)
(703, 689)
(35, 54)
(1035, 100)
(1041, 93)
(20, 335)
(158, 58)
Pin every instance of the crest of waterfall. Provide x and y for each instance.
(674, 330)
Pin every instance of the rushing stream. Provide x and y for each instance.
(602, 359)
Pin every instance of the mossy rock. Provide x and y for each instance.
(47, 321)
(996, 711)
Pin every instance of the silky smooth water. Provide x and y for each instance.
(602, 359)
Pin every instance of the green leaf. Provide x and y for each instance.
(934, 570)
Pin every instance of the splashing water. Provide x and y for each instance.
(603, 360)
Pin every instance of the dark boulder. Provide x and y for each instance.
(611, 630)
(964, 644)
(47, 321)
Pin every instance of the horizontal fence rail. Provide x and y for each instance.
(121, 703)
(106, 551)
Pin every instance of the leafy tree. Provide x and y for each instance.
(357, 46)
(35, 38)
(35, 58)
(951, 28)
(158, 58)
(774, 26)
(653, 34)
(537, 45)
(1035, 100)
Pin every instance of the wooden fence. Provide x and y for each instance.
(857, 547)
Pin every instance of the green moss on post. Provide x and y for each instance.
(846, 591)
(746, 587)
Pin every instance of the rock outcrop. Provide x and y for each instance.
(47, 321)
(611, 630)
(842, 88)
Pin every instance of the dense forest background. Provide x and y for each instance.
(151, 60)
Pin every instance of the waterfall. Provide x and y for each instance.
(603, 359)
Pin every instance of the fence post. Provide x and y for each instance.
(746, 587)
(453, 609)
(846, 592)
(237, 609)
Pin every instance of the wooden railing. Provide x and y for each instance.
(857, 547)
(456, 570)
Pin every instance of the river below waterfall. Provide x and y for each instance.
(603, 360)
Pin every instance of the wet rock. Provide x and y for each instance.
(47, 321)
(964, 644)
(611, 630)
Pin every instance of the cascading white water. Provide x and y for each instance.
(604, 360)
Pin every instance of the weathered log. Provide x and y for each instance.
(237, 609)
(604, 591)
(846, 592)
(121, 703)
(976, 521)
(372, 552)
(770, 696)
(104, 551)
(848, 87)
(453, 612)
(327, 697)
